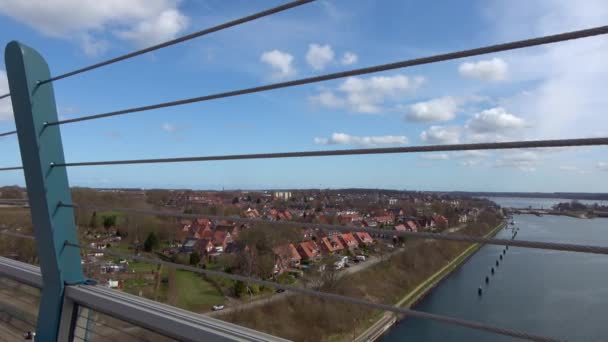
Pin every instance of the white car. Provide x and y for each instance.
(218, 307)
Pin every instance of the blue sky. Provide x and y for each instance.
(546, 92)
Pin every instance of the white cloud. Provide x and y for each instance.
(349, 58)
(440, 109)
(368, 141)
(565, 95)
(143, 22)
(328, 99)
(6, 108)
(472, 154)
(494, 120)
(318, 56)
(520, 160)
(602, 166)
(494, 69)
(441, 135)
(435, 156)
(368, 95)
(154, 30)
(281, 63)
(169, 127)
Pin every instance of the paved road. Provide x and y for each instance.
(371, 261)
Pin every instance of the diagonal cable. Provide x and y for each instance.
(182, 39)
(356, 72)
(361, 151)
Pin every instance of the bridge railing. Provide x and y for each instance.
(68, 297)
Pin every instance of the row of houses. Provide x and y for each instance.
(289, 256)
(207, 237)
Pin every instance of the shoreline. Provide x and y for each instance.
(412, 298)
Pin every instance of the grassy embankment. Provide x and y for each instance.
(413, 296)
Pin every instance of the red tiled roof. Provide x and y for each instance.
(363, 237)
(411, 225)
(349, 240)
(309, 249)
(288, 251)
(332, 243)
(400, 228)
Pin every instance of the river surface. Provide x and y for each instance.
(550, 293)
(536, 203)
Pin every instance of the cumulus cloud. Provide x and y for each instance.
(329, 100)
(143, 22)
(440, 109)
(318, 56)
(368, 95)
(368, 141)
(169, 127)
(520, 160)
(156, 29)
(494, 69)
(6, 108)
(280, 62)
(441, 135)
(565, 83)
(494, 120)
(349, 58)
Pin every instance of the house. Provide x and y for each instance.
(370, 222)
(188, 245)
(251, 213)
(331, 244)
(201, 232)
(287, 256)
(220, 240)
(411, 225)
(385, 219)
(363, 238)
(204, 246)
(348, 218)
(349, 240)
(400, 228)
(425, 222)
(440, 221)
(309, 250)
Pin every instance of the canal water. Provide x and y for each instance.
(552, 293)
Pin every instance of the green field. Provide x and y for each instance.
(195, 293)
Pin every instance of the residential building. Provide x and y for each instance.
(349, 240)
(363, 238)
(331, 244)
(287, 256)
(309, 250)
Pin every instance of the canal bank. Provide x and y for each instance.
(388, 319)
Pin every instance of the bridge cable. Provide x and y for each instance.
(356, 72)
(362, 151)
